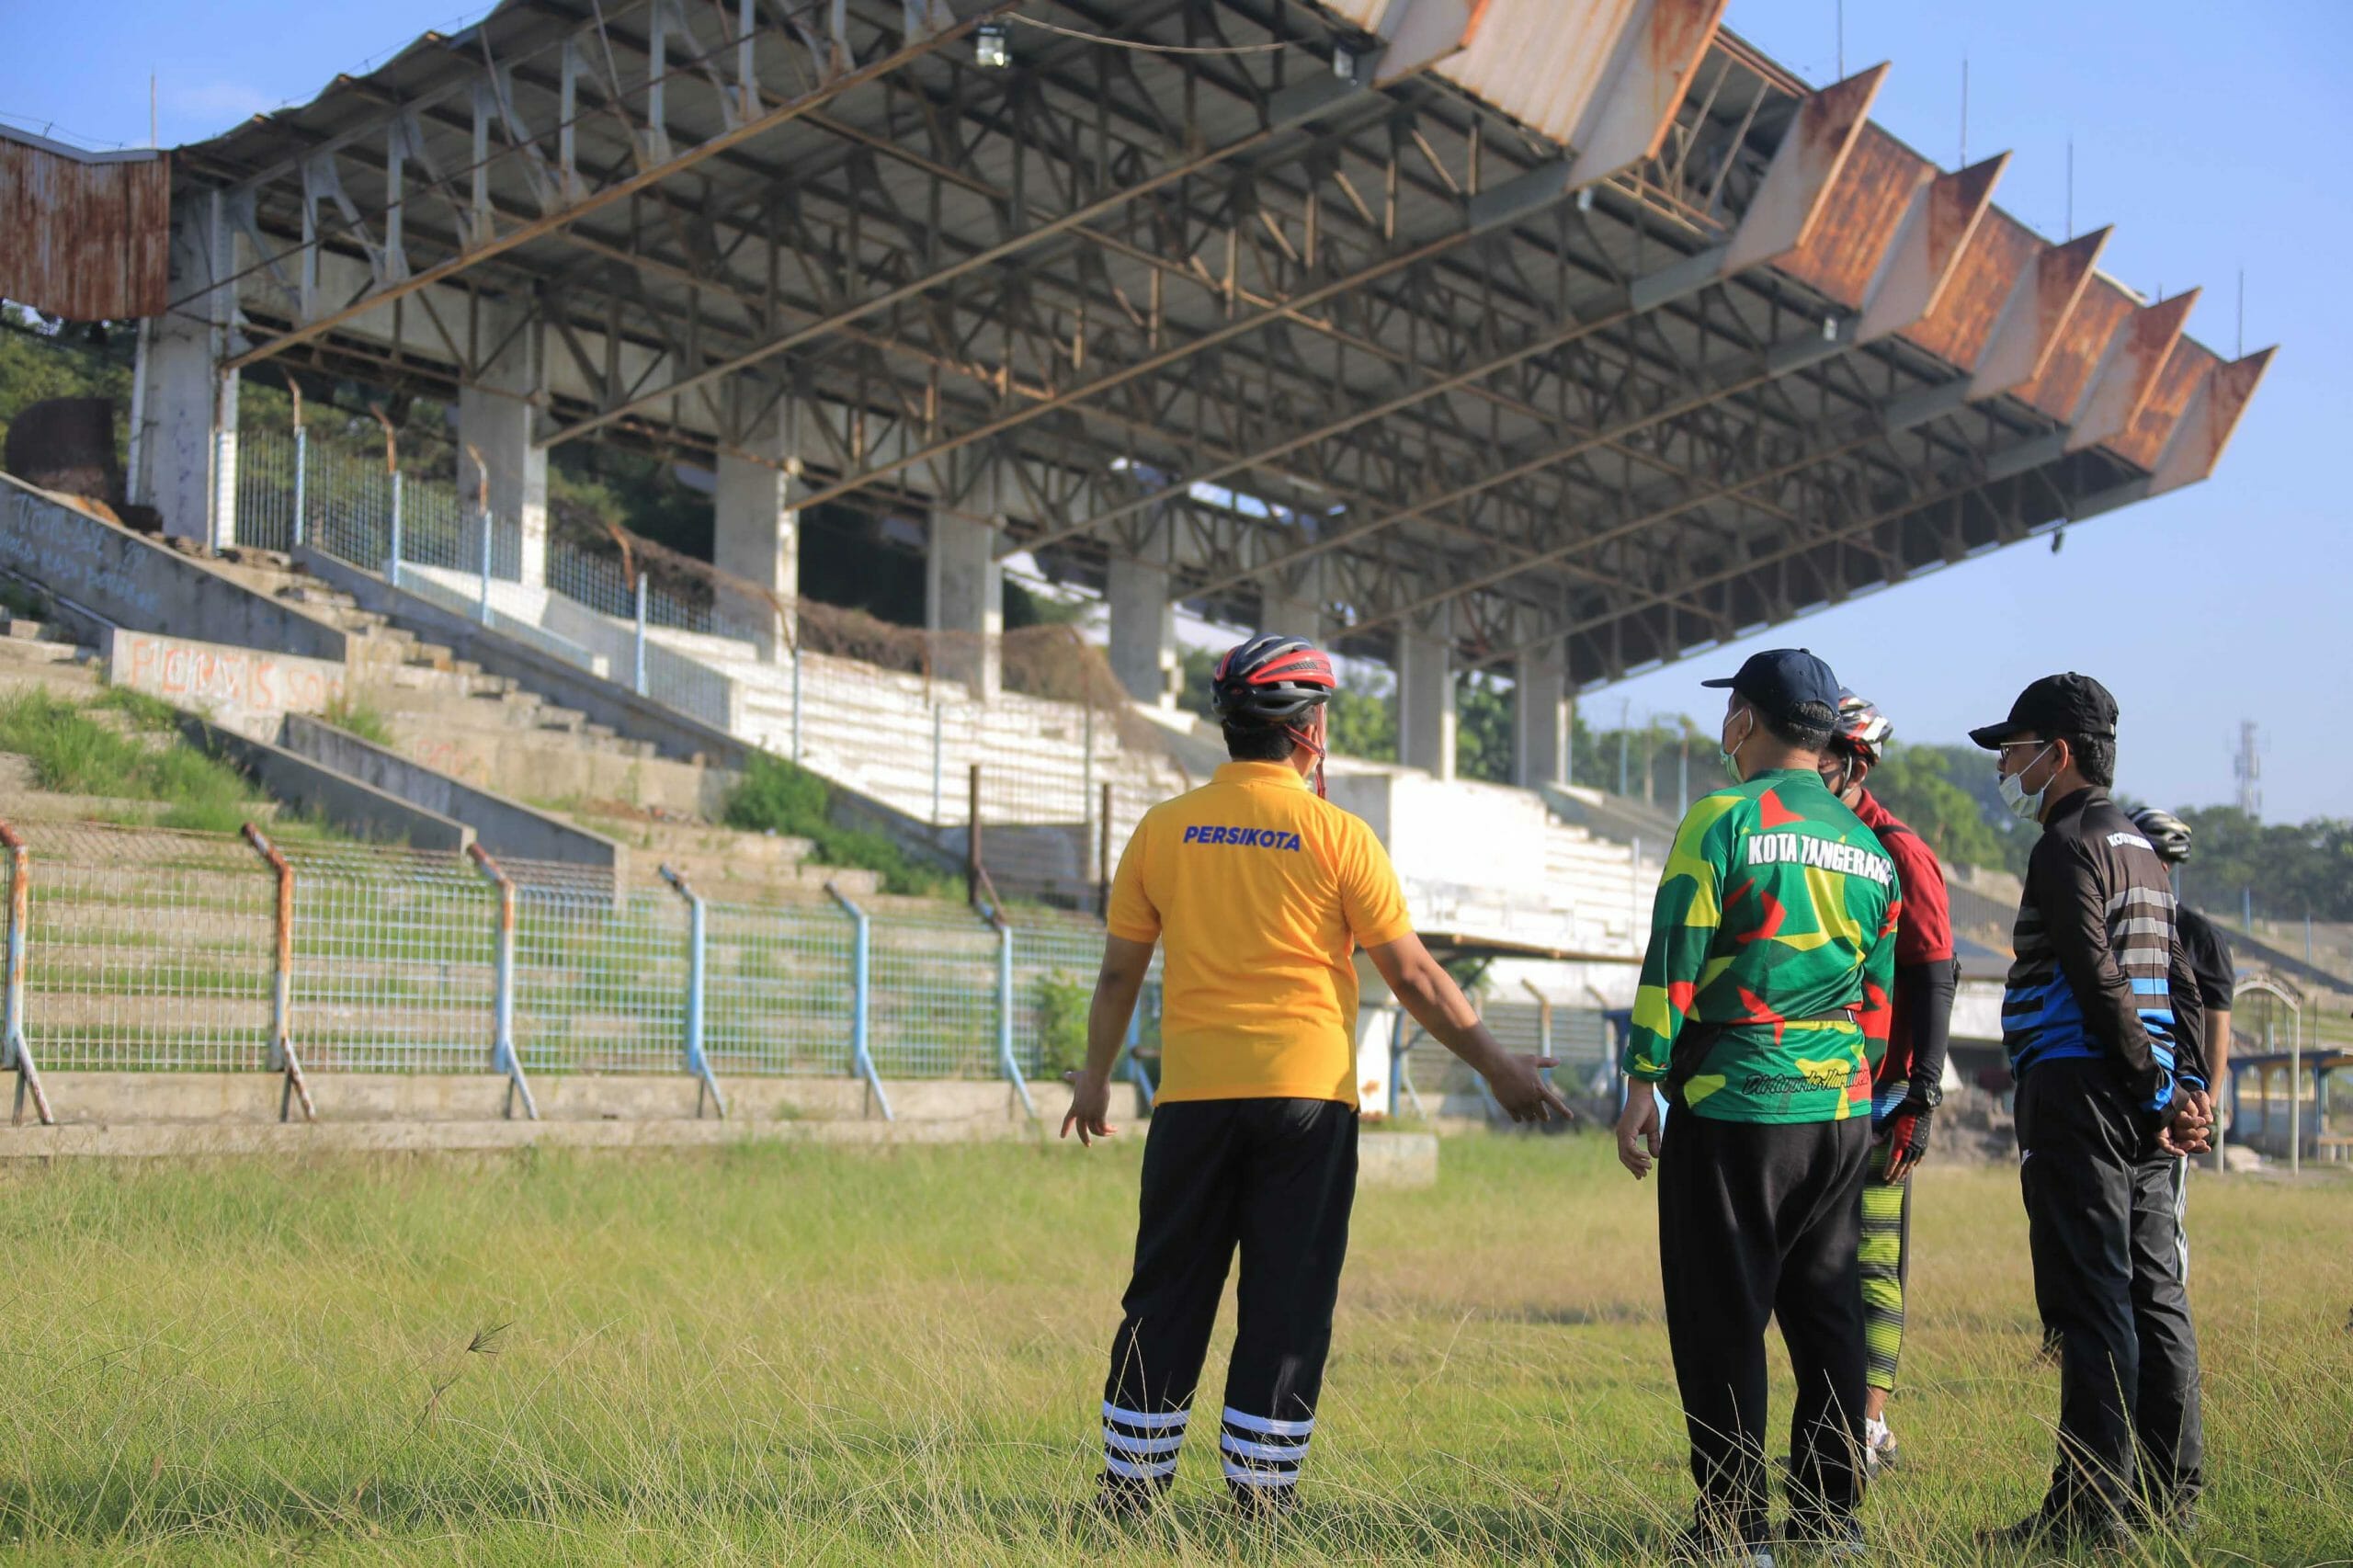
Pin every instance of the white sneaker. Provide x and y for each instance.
(1880, 1450)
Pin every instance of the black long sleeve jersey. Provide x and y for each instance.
(2100, 971)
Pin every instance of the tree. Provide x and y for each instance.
(1917, 783)
(1482, 728)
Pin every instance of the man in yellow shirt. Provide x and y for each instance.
(1262, 891)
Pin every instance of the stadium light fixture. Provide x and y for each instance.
(992, 46)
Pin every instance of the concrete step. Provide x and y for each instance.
(19, 650)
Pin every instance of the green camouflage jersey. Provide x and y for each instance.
(1775, 920)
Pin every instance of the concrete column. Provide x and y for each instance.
(1425, 703)
(495, 414)
(1540, 722)
(964, 596)
(758, 538)
(1144, 630)
(1294, 606)
(188, 453)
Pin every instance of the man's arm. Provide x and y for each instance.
(2073, 899)
(2190, 1118)
(1437, 1004)
(1684, 918)
(1116, 985)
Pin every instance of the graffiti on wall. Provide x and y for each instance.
(247, 689)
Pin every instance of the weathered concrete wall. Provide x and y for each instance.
(604, 702)
(142, 586)
(244, 688)
(357, 808)
(501, 826)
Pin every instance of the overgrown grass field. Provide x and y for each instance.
(796, 1355)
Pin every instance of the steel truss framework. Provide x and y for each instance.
(1332, 316)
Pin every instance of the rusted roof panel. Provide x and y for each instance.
(1960, 328)
(1934, 235)
(1859, 221)
(2058, 389)
(2128, 373)
(1804, 171)
(2186, 369)
(2035, 320)
(2197, 445)
(86, 238)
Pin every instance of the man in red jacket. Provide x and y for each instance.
(1905, 1086)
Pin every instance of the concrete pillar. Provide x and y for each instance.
(1540, 722)
(1144, 630)
(186, 465)
(758, 538)
(1294, 606)
(495, 414)
(1425, 703)
(964, 597)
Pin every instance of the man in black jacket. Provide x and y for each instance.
(2101, 1022)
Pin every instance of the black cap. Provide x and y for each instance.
(2055, 705)
(1780, 681)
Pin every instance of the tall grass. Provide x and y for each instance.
(796, 1355)
(72, 753)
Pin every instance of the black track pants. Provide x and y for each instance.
(1758, 1221)
(1276, 1179)
(2106, 1235)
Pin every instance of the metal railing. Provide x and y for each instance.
(143, 949)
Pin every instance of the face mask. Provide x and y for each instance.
(2013, 787)
(1725, 755)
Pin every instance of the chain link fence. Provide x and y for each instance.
(147, 948)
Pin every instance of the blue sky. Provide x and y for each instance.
(2207, 142)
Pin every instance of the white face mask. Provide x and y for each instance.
(1728, 754)
(2013, 787)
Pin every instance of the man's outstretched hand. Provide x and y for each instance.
(1518, 1085)
(1090, 1106)
(1637, 1130)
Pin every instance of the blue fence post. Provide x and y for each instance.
(483, 614)
(995, 919)
(861, 1058)
(14, 1052)
(1136, 1074)
(639, 680)
(301, 478)
(698, 1063)
(502, 1057)
(392, 557)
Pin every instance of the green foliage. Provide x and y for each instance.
(21, 601)
(2294, 869)
(1063, 1006)
(1921, 785)
(358, 716)
(72, 753)
(775, 796)
(40, 359)
(1482, 728)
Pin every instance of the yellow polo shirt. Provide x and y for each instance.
(1261, 892)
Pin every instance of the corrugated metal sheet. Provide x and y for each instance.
(1875, 188)
(2185, 370)
(1804, 172)
(2099, 314)
(1960, 327)
(88, 239)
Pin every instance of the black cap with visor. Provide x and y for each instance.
(2069, 704)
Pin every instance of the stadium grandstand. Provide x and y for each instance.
(1552, 338)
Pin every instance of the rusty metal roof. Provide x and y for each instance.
(83, 236)
(1532, 325)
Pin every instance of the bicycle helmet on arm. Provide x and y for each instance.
(1273, 682)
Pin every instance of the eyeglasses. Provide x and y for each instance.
(2007, 745)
